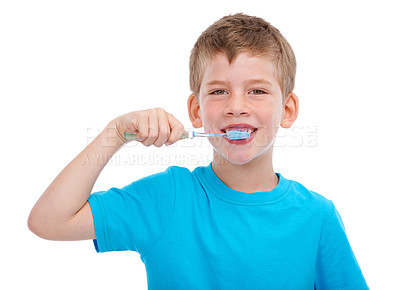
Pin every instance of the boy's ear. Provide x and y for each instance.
(290, 110)
(194, 111)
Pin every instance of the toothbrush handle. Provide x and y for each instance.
(133, 136)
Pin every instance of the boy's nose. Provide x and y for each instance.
(237, 106)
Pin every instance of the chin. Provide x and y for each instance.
(237, 159)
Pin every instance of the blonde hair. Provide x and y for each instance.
(237, 33)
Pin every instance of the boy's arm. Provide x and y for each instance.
(63, 212)
(336, 265)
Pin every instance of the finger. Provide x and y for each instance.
(142, 125)
(164, 129)
(152, 129)
(177, 130)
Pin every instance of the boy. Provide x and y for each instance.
(234, 224)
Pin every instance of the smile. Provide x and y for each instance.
(248, 130)
(243, 128)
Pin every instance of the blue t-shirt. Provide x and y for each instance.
(194, 232)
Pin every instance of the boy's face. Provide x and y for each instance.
(243, 95)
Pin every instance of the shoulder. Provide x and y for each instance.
(165, 178)
(313, 207)
(309, 198)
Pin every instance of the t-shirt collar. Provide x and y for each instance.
(221, 190)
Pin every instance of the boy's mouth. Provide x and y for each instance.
(239, 127)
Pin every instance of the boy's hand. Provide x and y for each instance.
(154, 127)
(55, 219)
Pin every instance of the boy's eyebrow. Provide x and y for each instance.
(248, 82)
(215, 82)
(258, 81)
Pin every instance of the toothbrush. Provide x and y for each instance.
(231, 135)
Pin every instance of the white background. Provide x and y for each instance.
(67, 68)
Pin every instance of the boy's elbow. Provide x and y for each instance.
(37, 226)
(46, 225)
(34, 224)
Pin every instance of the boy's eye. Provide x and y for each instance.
(218, 92)
(257, 92)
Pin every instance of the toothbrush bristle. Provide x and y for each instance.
(237, 135)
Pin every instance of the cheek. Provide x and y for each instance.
(209, 116)
(270, 114)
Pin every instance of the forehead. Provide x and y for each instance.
(244, 67)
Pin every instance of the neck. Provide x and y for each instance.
(258, 174)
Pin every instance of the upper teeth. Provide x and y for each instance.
(249, 130)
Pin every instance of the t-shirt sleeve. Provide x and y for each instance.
(134, 217)
(337, 267)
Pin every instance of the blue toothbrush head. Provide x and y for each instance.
(237, 135)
